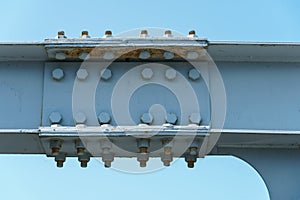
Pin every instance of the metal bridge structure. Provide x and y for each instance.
(165, 97)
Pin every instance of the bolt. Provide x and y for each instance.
(190, 159)
(82, 74)
(192, 55)
(192, 33)
(190, 164)
(191, 155)
(107, 158)
(170, 74)
(84, 35)
(84, 55)
(60, 159)
(55, 118)
(171, 118)
(147, 73)
(168, 55)
(195, 118)
(104, 118)
(167, 155)
(79, 147)
(168, 33)
(106, 74)
(58, 74)
(147, 118)
(143, 156)
(60, 56)
(193, 151)
(80, 118)
(55, 146)
(107, 34)
(144, 54)
(144, 33)
(60, 35)
(107, 155)
(108, 55)
(194, 74)
(84, 159)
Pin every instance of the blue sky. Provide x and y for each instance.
(36, 177)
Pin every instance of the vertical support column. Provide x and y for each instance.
(279, 168)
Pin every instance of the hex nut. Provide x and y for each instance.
(82, 74)
(168, 55)
(55, 117)
(147, 73)
(144, 54)
(106, 74)
(170, 74)
(104, 118)
(80, 118)
(60, 56)
(195, 118)
(108, 55)
(171, 118)
(58, 74)
(192, 55)
(84, 55)
(147, 118)
(194, 74)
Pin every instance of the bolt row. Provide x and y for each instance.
(105, 118)
(143, 55)
(143, 146)
(147, 74)
(108, 33)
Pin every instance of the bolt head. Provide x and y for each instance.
(194, 74)
(84, 55)
(144, 54)
(168, 55)
(58, 74)
(144, 33)
(82, 74)
(60, 56)
(171, 118)
(80, 118)
(106, 74)
(192, 55)
(147, 73)
(147, 118)
(55, 117)
(192, 32)
(104, 118)
(109, 55)
(195, 118)
(171, 74)
(84, 35)
(168, 33)
(60, 35)
(108, 32)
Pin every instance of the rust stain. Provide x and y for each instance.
(128, 52)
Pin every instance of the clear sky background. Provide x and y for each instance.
(36, 177)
